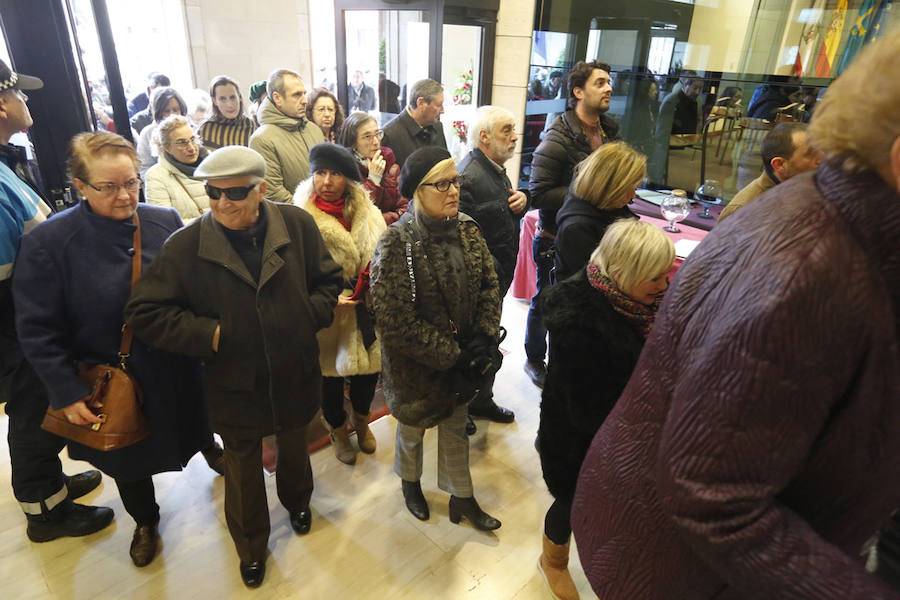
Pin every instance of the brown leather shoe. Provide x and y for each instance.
(144, 545)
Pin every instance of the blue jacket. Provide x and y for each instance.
(70, 287)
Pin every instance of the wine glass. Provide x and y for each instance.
(675, 207)
(708, 194)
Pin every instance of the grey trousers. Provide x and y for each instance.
(453, 454)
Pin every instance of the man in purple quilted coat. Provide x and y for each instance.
(756, 446)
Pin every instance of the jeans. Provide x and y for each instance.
(535, 332)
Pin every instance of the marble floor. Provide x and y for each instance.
(363, 543)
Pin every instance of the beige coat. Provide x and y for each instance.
(341, 348)
(748, 194)
(284, 142)
(169, 187)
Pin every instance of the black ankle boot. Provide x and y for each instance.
(415, 500)
(215, 458)
(468, 508)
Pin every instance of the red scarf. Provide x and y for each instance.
(335, 209)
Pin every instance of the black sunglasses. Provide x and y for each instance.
(232, 193)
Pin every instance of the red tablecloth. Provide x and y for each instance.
(524, 282)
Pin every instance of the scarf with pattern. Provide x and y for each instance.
(639, 315)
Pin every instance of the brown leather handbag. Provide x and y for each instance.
(116, 397)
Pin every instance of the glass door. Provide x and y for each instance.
(461, 78)
(381, 51)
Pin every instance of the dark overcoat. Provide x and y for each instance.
(483, 196)
(404, 136)
(72, 281)
(755, 447)
(580, 227)
(593, 350)
(265, 376)
(418, 347)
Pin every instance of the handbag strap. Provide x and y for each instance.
(127, 334)
(413, 229)
(184, 187)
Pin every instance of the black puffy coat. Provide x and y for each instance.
(553, 162)
(483, 197)
(580, 225)
(593, 350)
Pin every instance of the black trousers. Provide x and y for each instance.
(362, 389)
(557, 526)
(246, 508)
(139, 498)
(33, 453)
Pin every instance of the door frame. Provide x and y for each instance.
(435, 10)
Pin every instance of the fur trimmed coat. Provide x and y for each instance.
(341, 349)
(418, 343)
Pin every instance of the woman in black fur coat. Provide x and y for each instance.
(598, 320)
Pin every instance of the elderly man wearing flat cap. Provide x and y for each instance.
(246, 287)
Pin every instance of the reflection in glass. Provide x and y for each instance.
(387, 50)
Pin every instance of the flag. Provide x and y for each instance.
(858, 33)
(810, 37)
(882, 18)
(829, 47)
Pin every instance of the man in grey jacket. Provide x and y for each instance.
(285, 136)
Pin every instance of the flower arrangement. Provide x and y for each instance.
(461, 130)
(462, 94)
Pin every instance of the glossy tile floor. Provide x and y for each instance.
(363, 543)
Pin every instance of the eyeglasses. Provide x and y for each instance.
(443, 186)
(369, 136)
(323, 109)
(232, 193)
(194, 141)
(112, 189)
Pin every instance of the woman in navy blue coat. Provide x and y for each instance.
(71, 284)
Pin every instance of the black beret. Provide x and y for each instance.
(417, 166)
(334, 158)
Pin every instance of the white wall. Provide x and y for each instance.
(248, 40)
(717, 35)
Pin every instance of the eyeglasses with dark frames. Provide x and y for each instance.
(233, 193)
(184, 143)
(112, 189)
(443, 186)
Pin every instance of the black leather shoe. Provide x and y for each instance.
(415, 500)
(493, 412)
(73, 520)
(83, 483)
(144, 545)
(468, 508)
(537, 372)
(215, 458)
(252, 573)
(301, 521)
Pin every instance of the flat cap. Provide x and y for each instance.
(231, 161)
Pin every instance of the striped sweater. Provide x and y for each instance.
(226, 132)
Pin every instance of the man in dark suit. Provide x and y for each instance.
(487, 196)
(419, 125)
(360, 95)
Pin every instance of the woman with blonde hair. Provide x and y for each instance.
(170, 182)
(604, 184)
(598, 320)
(438, 315)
